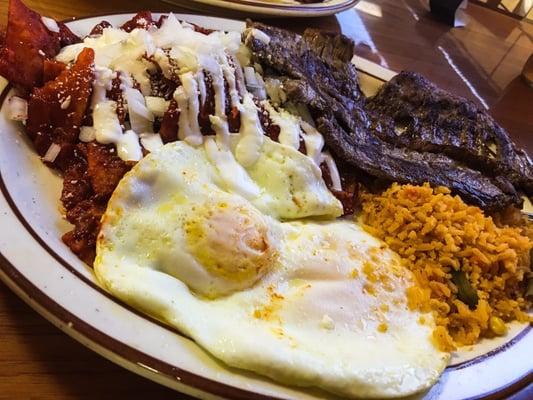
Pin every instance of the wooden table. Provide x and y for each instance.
(481, 61)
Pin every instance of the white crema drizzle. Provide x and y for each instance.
(194, 58)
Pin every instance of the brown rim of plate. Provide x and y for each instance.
(293, 7)
(139, 358)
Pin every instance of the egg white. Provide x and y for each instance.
(329, 308)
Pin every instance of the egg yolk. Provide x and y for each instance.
(230, 242)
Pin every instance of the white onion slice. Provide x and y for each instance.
(260, 35)
(128, 147)
(50, 24)
(17, 109)
(52, 152)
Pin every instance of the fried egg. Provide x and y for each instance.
(310, 303)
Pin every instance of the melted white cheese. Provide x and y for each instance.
(107, 130)
(193, 57)
(200, 80)
(289, 125)
(229, 75)
(260, 35)
(156, 105)
(235, 178)
(184, 129)
(220, 125)
(217, 81)
(190, 88)
(106, 124)
(187, 98)
(314, 142)
(251, 133)
(128, 147)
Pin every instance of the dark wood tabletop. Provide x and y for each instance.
(481, 61)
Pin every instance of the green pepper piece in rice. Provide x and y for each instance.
(465, 292)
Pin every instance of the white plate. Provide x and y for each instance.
(36, 264)
(281, 8)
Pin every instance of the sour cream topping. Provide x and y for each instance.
(190, 59)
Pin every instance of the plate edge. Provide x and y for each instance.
(510, 389)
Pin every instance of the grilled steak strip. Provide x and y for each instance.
(422, 117)
(316, 70)
(361, 148)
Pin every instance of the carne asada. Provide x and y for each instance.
(316, 70)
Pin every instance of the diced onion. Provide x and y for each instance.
(257, 34)
(137, 106)
(50, 24)
(17, 109)
(249, 76)
(232, 173)
(106, 123)
(87, 134)
(151, 141)
(52, 153)
(157, 105)
(260, 35)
